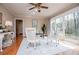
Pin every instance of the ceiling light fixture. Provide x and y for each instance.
(38, 6)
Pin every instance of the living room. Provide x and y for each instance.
(38, 17)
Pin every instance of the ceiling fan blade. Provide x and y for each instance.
(44, 7)
(32, 3)
(39, 3)
(31, 8)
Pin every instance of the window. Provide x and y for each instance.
(69, 24)
(69, 27)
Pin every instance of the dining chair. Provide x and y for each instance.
(31, 37)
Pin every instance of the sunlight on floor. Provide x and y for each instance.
(69, 45)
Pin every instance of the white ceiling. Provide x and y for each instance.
(21, 9)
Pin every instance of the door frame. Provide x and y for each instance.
(15, 25)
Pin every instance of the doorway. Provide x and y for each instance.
(19, 28)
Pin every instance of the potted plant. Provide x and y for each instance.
(43, 28)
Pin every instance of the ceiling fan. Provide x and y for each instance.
(38, 6)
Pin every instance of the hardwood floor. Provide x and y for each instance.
(12, 50)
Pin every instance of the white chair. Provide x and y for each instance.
(8, 40)
(31, 36)
(1, 39)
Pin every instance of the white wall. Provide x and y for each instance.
(27, 22)
(5, 15)
(40, 20)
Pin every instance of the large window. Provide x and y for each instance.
(77, 23)
(72, 24)
(59, 25)
(69, 24)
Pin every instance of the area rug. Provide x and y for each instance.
(43, 49)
